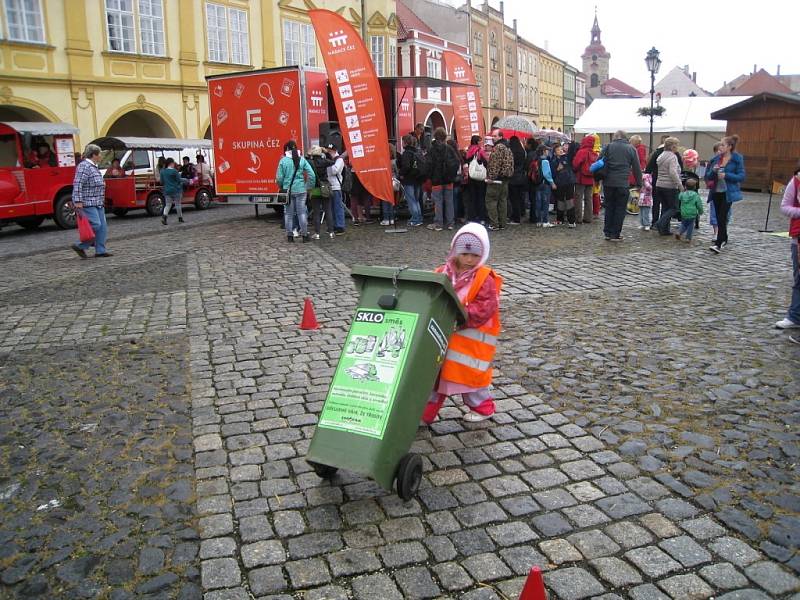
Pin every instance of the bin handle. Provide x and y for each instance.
(390, 302)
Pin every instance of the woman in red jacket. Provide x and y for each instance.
(584, 180)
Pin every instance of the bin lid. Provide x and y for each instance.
(403, 274)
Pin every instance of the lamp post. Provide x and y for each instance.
(653, 63)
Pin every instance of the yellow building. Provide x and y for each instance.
(551, 92)
(138, 67)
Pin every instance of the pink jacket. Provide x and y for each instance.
(646, 195)
(476, 149)
(790, 206)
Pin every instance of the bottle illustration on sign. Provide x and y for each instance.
(362, 344)
(239, 90)
(220, 142)
(341, 76)
(224, 165)
(363, 372)
(218, 91)
(222, 116)
(265, 92)
(256, 163)
(346, 91)
(393, 342)
(283, 118)
(286, 87)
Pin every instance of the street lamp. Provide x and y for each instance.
(653, 63)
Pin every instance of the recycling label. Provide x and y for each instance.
(362, 393)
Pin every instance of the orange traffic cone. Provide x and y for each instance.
(309, 318)
(534, 586)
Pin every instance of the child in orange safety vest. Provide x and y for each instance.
(467, 367)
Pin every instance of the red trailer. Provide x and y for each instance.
(37, 167)
(140, 188)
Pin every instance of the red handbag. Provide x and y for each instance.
(85, 230)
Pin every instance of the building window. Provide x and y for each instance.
(376, 47)
(509, 95)
(298, 44)
(595, 80)
(477, 43)
(228, 35)
(24, 20)
(392, 57)
(523, 95)
(494, 89)
(136, 26)
(493, 51)
(509, 58)
(434, 69)
(479, 79)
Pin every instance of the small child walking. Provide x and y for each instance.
(691, 207)
(467, 367)
(646, 202)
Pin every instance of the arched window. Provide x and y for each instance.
(595, 80)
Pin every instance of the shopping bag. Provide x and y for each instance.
(85, 230)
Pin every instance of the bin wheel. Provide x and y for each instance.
(323, 471)
(409, 476)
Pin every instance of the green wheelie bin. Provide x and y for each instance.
(387, 368)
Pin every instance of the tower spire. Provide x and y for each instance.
(595, 29)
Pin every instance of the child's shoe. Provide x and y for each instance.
(476, 417)
(431, 412)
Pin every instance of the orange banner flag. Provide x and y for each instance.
(778, 187)
(466, 100)
(358, 100)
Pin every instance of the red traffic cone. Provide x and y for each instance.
(534, 586)
(309, 318)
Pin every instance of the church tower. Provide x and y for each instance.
(595, 59)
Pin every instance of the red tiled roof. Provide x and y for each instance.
(759, 82)
(409, 20)
(616, 88)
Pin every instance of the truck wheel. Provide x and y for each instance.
(30, 223)
(202, 199)
(64, 212)
(155, 204)
(119, 212)
(409, 476)
(323, 471)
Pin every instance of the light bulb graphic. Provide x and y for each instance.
(265, 92)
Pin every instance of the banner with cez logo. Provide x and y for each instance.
(467, 109)
(358, 100)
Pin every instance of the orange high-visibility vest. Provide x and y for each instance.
(470, 351)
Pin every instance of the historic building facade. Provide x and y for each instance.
(125, 67)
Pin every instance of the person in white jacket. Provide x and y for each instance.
(335, 179)
(668, 185)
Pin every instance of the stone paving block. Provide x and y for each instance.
(220, 573)
(307, 573)
(326, 592)
(629, 535)
(288, 523)
(573, 583)
(593, 543)
(587, 443)
(660, 525)
(582, 469)
(469, 493)
(703, 528)
(398, 530)
(255, 528)
(511, 534)
(452, 577)
(560, 551)
(362, 536)
(773, 578)
(734, 551)
(216, 525)
(545, 478)
(521, 558)
(551, 524)
(616, 572)
(507, 485)
(416, 582)
(313, 544)
(648, 488)
(584, 491)
(362, 511)
(520, 505)
(441, 547)
(652, 561)
(486, 567)
(435, 498)
(688, 587)
(585, 515)
(675, 508)
(472, 541)
(745, 594)
(217, 547)
(723, 576)
(442, 522)
(686, 551)
(394, 506)
(554, 499)
(648, 592)
(480, 514)
(263, 553)
(622, 506)
(402, 554)
(228, 594)
(266, 580)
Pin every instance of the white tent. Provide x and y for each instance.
(690, 116)
(680, 115)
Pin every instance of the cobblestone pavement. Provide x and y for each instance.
(645, 446)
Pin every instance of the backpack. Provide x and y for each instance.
(452, 164)
(423, 164)
(346, 179)
(535, 172)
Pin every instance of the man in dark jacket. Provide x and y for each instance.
(443, 163)
(411, 177)
(499, 172)
(620, 159)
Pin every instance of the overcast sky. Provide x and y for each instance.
(718, 40)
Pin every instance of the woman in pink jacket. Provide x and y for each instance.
(790, 206)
